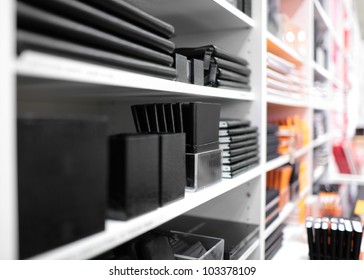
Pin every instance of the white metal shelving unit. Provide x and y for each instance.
(48, 77)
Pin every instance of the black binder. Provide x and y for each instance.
(239, 151)
(233, 123)
(232, 174)
(244, 143)
(237, 138)
(162, 121)
(168, 110)
(236, 166)
(232, 66)
(141, 118)
(239, 158)
(94, 17)
(309, 228)
(237, 131)
(223, 74)
(133, 14)
(31, 41)
(357, 238)
(39, 21)
(317, 227)
(347, 240)
(340, 241)
(325, 240)
(230, 84)
(333, 240)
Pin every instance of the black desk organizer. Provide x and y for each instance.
(211, 66)
(146, 171)
(62, 180)
(200, 122)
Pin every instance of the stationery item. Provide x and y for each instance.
(233, 123)
(325, 240)
(333, 240)
(235, 166)
(237, 131)
(162, 120)
(62, 180)
(347, 240)
(357, 238)
(340, 241)
(232, 66)
(178, 118)
(239, 151)
(237, 138)
(152, 115)
(141, 118)
(133, 175)
(96, 18)
(318, 240)
(237, 145)
(310, 240)
(32, 41)
(135, 15)
(230, 84)
(239, 158)
(168, 109)
(39, 21)
(181, 65)
(232, 174)
(223, 74)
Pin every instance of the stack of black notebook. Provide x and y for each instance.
(272, 141)
(239, 142)
(212, 66)
(334, 239)
(271, 206)
(274, 242)
(109, 32)
(200, 122)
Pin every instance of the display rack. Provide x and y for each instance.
(43, 79)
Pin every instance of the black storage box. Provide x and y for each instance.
(203, 169)
(133, 175)
(201, 124)
(172, 167)
(62, 167)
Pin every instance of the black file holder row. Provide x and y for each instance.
(200, 122)
(112, 33)
(334, 239)
(212, 66)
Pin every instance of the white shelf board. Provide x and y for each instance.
(321, 71)
(283, 215)
(118, 232)
(321, 140)
(120, 82)
(318, 172)
(320, 103)
(277, 47)
(346, 178)
(287, 101)
(191, 16)
(321, 14)
(250, 250)
(282, 160)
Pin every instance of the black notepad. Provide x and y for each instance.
(46, 23)
(32, 41)
(94, 17)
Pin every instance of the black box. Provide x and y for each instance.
(203, 169)
(237, 236)
(201, 124)
(172, 167)
(62, 181)
(133, 175)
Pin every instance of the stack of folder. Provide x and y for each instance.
(284, 78)
(279, 179)
(200, 122)
(212, 66)
(274, 242)
(239, 142)
(271, 206)
(272, 141)
(334, 239)
(110, 32)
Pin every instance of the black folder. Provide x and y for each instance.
(27, 40)
(152, 117)
(229, 84)
(168, 110)
(162, 121)
(237, 138)
(309, 228)
(239, 158)
(133, 14)
(232, 174)
(232, 66)
(325, 240)
(178, 119)
(333, 240)
(317, 227)
(239, 151)
(94, 17)
(46, 23)
(236, 166)
(357, 238)
(223, 74)
(141, 118)
(340, 241)
(347, 240)
(237, 131)
(233, 123)
(244, 143)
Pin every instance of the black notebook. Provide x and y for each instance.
(237, 145)
(94, 17)
(232, 174)
(241, 164)
(133, 14)
(229, 84)
(237, 138)
(232, 66)
(39, 21)
(239, 151)
(239, 158)
(31, 41)
(233, 123)
(237, 131)
(223, 74)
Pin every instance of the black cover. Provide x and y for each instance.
(133, 175)
(347, 240)
(133, 14)
(357, 238)
(340, 241)
(178, 119)
(201, 124)
(318, 238)
(49, 24)
(162, 121)
(62, 179)
(152, 117)
(237, 236)
(333, 240)
(168, 110)
(238, 171)
(181, 65)
(27, 40)
(101, 20)
(141, 118)
(172, 167)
